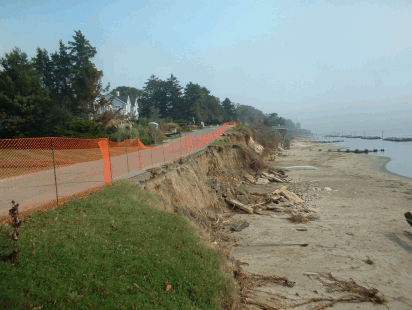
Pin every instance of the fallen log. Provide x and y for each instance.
(239, 205)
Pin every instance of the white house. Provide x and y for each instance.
(128, 106)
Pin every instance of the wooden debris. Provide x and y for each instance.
(257, 194)
(311, 274)
(276, 208)
(292, 196)
(273, 178)
(278, 174)
(278, 244)
(262, 181)
(250, 178)
(260, 304)
(239, 205)
(239, 226)
(260, 204)
(262, 212)
(278, 191)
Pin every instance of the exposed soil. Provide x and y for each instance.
(352, 251)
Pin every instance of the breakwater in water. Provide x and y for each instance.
(399, 153)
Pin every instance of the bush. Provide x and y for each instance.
(82, 129)
(123, 134)
(140, 121)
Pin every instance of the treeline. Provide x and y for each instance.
(61, 94)
(167, 99)
(53, 94)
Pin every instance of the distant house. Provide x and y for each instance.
(128, 106)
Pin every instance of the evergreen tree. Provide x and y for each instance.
(63, 73)
(25, 105)
(174, 98)
(86, 83)
(194, 97)
(147, 102)
(229, 110)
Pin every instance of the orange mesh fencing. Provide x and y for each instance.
(43, 173)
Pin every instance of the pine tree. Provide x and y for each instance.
(25, 105)
(86, 82)
(174, 98)
(229, 110)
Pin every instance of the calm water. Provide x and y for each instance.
(399, 152)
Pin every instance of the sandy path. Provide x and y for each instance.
(362, 217)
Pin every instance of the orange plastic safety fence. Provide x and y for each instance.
(36, 172)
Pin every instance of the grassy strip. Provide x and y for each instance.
(219, 142)
(112, 250)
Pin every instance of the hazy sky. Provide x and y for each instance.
(331, 65)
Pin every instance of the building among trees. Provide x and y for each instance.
(127, 105)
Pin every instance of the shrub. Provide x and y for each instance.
(124, 134)
(82, 129)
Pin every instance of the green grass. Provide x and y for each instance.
(219, 142)
(89, 253)
(242, 128)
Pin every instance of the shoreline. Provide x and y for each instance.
(381, 169)
(360, 233)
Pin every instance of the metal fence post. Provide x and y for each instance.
(127, 159)
(164, 156)
(110, 161)
(55, 177)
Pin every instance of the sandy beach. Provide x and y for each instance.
(361, 233)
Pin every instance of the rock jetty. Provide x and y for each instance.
(398, 139)
(371, 137)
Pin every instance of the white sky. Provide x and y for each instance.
(331, 65)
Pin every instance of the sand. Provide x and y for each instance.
(361, 218)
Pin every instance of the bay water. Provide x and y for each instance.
(400, 153)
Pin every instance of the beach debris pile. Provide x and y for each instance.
(267, 177)
(280, 200)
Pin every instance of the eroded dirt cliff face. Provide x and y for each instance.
(194, 186)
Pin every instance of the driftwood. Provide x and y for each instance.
(276, 198)
(278, 191)
(258, 194)
(262, 305)
(273, 178)
(239, 205)
(262, 212)
(278, 174)
(275, 244)
(277, 208)
(277, 179)
(259, 204)
(292, 196)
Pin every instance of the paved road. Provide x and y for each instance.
(38, 188)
